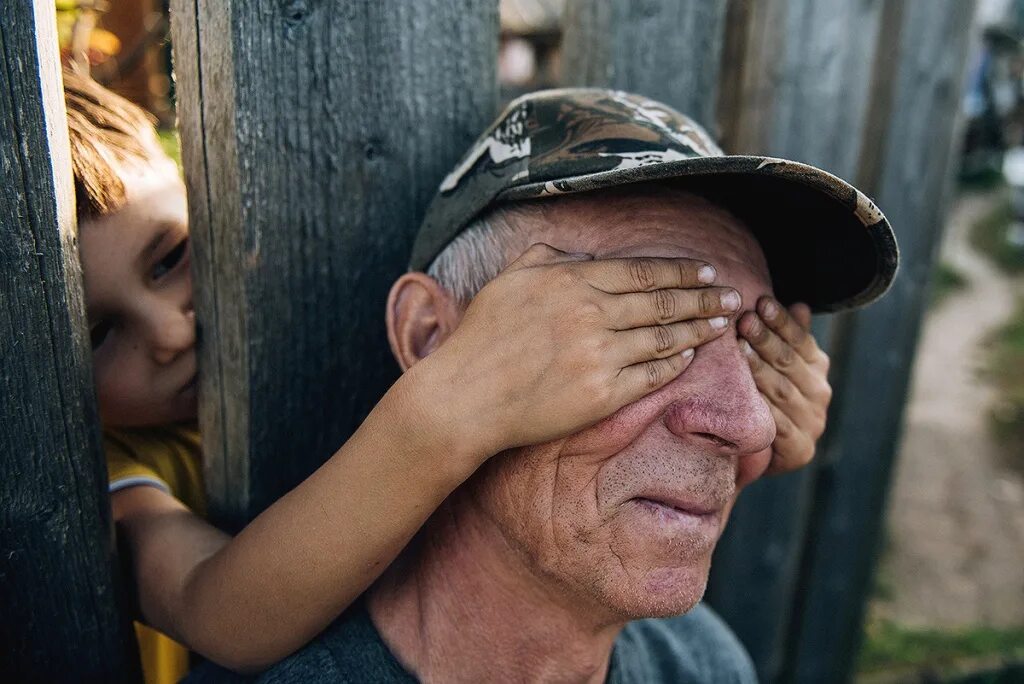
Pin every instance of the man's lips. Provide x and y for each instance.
(695, 510)
(693, 521)
(682, 503)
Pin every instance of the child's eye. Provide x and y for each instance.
(98, 333)
(172, 259)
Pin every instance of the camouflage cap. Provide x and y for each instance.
(826, 243)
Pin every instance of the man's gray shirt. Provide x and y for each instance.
(696, 647)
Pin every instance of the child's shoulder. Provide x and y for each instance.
(164, 456)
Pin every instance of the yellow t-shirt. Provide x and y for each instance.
(167, 457)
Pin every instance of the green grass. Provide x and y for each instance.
(169, 141)
(946, 280)
(889, 646)
(989, 236)
(1006, 369)
(987, 179)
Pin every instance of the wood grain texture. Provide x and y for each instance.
(801, 89)
(314, 134)
(806, 80)
(62, 616)
(669, 50)
(914, 180)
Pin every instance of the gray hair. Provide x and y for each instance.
(480, 252)
(492, 240)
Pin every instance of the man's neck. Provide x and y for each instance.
(465, 608)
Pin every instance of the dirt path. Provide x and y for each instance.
(956, 514)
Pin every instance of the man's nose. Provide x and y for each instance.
(718, 401)
(171, 331)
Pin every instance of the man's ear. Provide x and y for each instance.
(420, 316)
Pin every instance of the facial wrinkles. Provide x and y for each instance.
(576, 510)
(612, 447)
(650, 223)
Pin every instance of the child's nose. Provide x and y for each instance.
(172, 331)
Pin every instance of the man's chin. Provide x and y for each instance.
(655, 593)
(667, 592)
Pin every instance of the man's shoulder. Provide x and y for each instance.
(312, 664)
(695, 647)
(350, 650)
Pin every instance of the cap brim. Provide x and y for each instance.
(826, 243)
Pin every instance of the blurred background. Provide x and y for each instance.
(947, 601)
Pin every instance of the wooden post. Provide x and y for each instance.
(668, 50)
(61, 617)
(798, 85)
(314, 134)
(912, 183)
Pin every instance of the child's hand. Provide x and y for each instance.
(559, 341)
(792, 374)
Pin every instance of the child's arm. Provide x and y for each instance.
(544, 350)
(791, 371)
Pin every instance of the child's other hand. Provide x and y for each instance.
(559, 341)
(791, 371)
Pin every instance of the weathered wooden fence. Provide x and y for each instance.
(313, 135)
(60, 610)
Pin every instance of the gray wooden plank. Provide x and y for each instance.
(669, 50)
(206, 127)
(314, 134)
(913, 185)
(808, 100)
(62, 613)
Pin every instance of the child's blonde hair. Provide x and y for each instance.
(106, 131)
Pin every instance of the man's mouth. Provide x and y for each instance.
(686, 516)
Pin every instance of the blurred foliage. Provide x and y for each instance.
(77, 32)
(1006, 369)
(986, 179)
(172, 146)
(990, 236)
(890, 646)
(946, 280)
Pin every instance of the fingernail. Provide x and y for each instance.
(718, 322)
(687, 353)
(746, 348)
(731, 300)
(707, 274)
(770, 309)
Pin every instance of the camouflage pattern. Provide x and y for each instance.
(826, 243)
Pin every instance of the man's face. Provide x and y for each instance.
(624, 515)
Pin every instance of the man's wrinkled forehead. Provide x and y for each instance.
(652, 222)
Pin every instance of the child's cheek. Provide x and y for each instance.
(117, 393)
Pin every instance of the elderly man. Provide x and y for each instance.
(541, 567)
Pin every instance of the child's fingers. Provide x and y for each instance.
(640, 379)
(541, 254)
(802, 313)
(793, 448)
(810, 379)
(661, 341)
(789, 328)
(782, 393)
(773, 349)
(643, 274)
(778, 387)
(636, 309)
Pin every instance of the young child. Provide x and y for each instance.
(248, 601)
